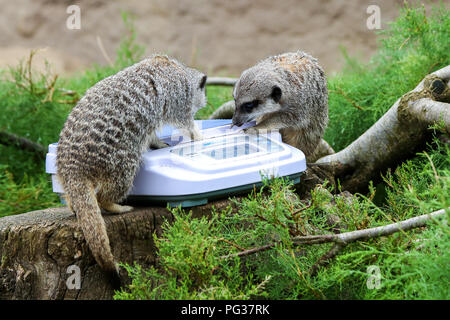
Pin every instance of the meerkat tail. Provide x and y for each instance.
(84, 204)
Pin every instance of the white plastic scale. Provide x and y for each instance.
(188, 173)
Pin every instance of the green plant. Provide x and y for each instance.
(412, 264)
(190, 266)
(31, 193)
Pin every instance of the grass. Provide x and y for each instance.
(31, 193)
(216, 95)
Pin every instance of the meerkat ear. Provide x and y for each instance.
(234, 89)
(203, 82)
(276, 94)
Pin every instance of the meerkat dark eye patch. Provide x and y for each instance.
(276, 94)
(249, 106)
(203, 82)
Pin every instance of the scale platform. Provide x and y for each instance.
(189, 173)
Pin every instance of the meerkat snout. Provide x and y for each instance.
(253, 105)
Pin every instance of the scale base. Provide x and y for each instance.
(188, 201)
(192, 200)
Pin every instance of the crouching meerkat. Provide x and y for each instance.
(287, 92)
(103, 138)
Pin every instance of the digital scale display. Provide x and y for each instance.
(228, 147)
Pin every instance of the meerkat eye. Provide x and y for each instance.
(249, 106)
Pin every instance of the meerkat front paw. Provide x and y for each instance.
(193, 134)
(158, 144)
(196, 135)
(251, 130)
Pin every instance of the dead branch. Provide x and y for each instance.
(103, 51)
(342, 239)
(10, 139)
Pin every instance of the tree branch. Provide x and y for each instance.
(221, 81)
(10, 139)
(342, 239)
(429, 112)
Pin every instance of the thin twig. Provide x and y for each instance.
(249, 251)
(103, 51)
(325, 259)
(436, 176)
(230, 242)
(352, 236)
(342, 93)
(10, 139)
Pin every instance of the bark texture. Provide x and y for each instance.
(37, 248)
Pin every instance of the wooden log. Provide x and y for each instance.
(38, 248)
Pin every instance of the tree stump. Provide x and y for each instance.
(38, 250)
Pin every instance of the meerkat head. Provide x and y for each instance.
(257, 92)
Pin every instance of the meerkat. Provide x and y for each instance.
(287, 92)
(103, 138)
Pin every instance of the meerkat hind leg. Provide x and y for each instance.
(110, 193)
(115, 208)
(68, 202)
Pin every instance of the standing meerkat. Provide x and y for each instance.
(287, 92)
(101, 143)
